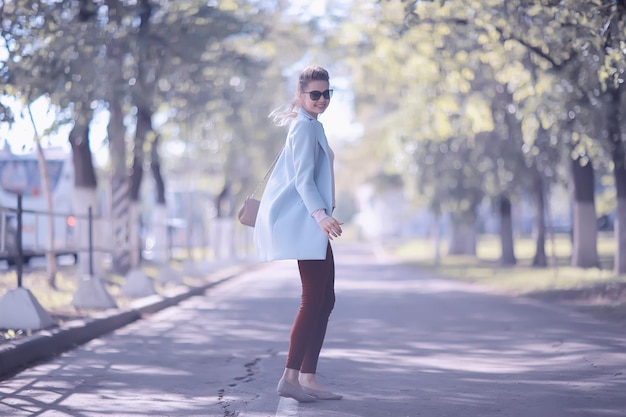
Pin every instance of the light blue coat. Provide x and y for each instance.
(301, 182)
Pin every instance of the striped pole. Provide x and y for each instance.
(120, 211)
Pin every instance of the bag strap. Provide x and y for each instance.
(267, 174)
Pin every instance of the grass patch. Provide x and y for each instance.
(594, 291)
(522, 278)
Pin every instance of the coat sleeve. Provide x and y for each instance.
(305, 145)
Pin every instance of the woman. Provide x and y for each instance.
(295, 222)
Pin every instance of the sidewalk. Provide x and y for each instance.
(43, 344)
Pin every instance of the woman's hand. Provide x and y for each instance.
(331, 226)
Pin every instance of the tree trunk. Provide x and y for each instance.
(155, 168)
(51, 260)
(84, 172)
(437, 237)
(85, 185)
(540, 258)
(619, 173)
(584, 226)
(144, 128)
(142, 101)
(159, 219)
(506, 232)
(463, 237)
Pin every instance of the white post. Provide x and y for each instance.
(19, 309)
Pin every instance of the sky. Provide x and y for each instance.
(20, 135)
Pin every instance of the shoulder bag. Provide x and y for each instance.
(250, 207)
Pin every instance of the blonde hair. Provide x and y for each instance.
(284, 114)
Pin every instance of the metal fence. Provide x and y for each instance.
(86, 235)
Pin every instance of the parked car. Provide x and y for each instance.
(10, 238)
(8, 250)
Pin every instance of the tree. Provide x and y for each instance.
(549, 43)
(188, 61)
(42, 41)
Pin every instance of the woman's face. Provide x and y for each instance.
(314, 107)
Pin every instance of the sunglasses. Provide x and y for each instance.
(316, 95)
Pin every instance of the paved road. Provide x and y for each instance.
(400, 344)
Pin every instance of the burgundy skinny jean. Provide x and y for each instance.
(318, 300)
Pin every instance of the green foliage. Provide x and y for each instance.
(209, 71)
(517, 85)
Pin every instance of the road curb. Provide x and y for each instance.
(18, 355)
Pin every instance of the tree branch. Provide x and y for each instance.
(504, 37)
